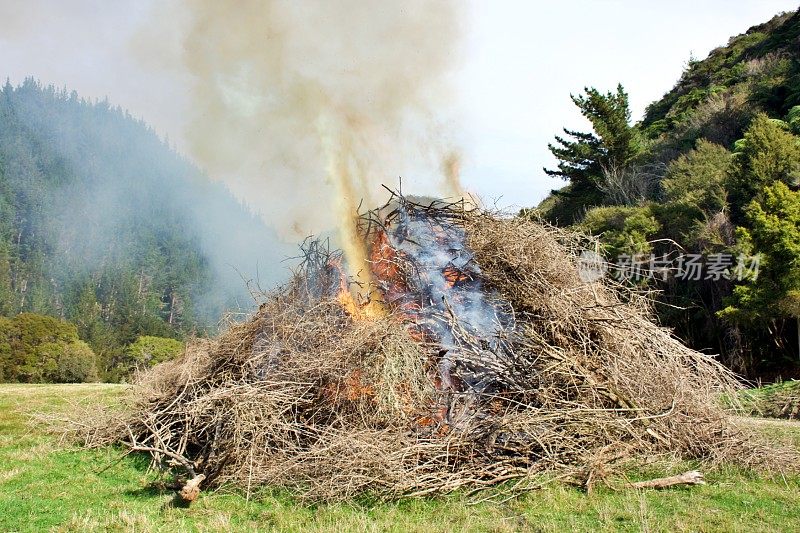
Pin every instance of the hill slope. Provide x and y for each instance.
(101, 223)
(759, 70)
(713, 170)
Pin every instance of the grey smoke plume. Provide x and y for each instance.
(305, 107)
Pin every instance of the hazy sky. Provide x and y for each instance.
(519, 62)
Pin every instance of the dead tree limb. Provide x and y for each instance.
(191, 490)
(687, 478)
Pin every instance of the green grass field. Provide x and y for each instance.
(778, 400)
(47, 485)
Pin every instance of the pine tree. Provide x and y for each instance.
(585, 158)
(767, 154)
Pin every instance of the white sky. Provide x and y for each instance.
(520, 62)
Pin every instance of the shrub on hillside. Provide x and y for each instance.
(73, 362)
(699, 177)
(793, 119)
(768, 154)
(148, 351)
(624, 230)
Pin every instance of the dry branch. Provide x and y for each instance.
(687, 478)
(307, 397)
(191, 490)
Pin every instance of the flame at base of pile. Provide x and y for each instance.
(493, 362)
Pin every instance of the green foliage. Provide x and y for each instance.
(623, 230)
(6, 354)
(744, 97)
(72, 362)
(698, 178)
(679, 221)
(769, 154)
(101, 223)
(762, 62)
(778, 400)
(774, 233)
(76, 364)
(565, 206)
(782, 124)
(793, 119)
(685, 105)
(769, 91)
(35, 329)
(695, 194)
(148, 351)
(585, 157)
(36, 348)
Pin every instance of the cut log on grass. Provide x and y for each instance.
(191, 490)
(687, 478)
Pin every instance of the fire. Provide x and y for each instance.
(415, 258)
(385, 267)
(368, 310)
(453, 275)
(353, 301)
(347, 301)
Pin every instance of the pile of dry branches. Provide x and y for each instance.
(307, 397)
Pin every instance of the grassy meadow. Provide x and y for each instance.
(46, 485)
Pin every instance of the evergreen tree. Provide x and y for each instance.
(768, 153)
(584, 159)
(104, 225)
(774, 234)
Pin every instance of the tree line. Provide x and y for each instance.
(712, 170)
(105, 227)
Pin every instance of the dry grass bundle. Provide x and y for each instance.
(307, 397)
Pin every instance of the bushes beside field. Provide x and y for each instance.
(41, 349)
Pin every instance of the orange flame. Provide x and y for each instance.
(354, 303)
(452, 276)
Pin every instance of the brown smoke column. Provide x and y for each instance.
(305, 107)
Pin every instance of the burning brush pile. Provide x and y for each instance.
(478, 356)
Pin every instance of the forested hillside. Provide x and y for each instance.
(709, 176)
(104, 225)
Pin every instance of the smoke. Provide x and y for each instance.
(305, 108)
(446, 281)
